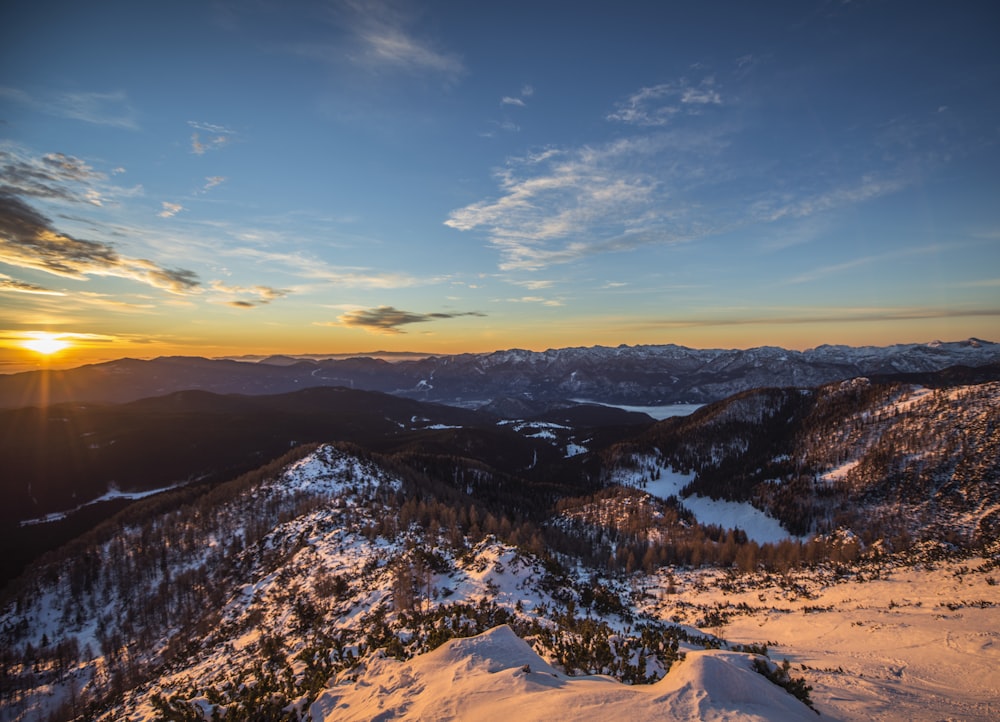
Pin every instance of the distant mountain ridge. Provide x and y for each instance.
(649, 375)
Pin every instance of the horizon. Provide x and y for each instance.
(222, 180)
(55, 362)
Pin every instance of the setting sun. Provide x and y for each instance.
(45, 344)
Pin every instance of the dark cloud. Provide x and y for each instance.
(387, 319)
(29, 240)
(46, 177)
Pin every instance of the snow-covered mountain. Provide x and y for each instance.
(288, 597)
(648, 375)
(888, 461)
(850, 528)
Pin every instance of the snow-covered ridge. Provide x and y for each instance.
(496, 675)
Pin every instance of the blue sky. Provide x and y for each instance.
(328, 177)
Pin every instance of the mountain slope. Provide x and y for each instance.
(251, 600)
(329, 585)
(884, 460)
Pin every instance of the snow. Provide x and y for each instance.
(758, 525)
(657, 412)
(917, 643)
(840, 472)
(112, 494)
(496, 675)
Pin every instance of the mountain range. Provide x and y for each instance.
(641, 375)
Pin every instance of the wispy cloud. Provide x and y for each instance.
(380, 36)
(561, 205)
(217, 137)
(13, 285)
(833, 315)
(862, 261)
(311, 268)
(532, 285)
(508, 100)
(388, 45)
(790, 205)
(213, 181)
(389, 320)
(658, 105)
(247, 296)
(536, 299)
(170, 209)
(111, 109)
(660, 183)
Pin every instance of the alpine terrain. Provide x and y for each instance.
(784, 552)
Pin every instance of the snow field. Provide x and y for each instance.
(916, 643)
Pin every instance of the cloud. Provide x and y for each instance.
(170, 210)
(111, 109)
(249, 296)
(212, 128)
(219, 136)
(880, 258)
(55, 176)
(28, 240)
(658, 105)
(655, 185)
(533, 285)
(866, 188)
(47, 177)
(200, 148)
(13, 285)
(535, 299)
(379, 36)
(393, 46)
(388, 320)
(312, 268)
(562, 205)
(213, 181)
(507, 100)
(823, 316)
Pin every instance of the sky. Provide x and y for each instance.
(229, 178)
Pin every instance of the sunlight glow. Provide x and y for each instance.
(45, 344)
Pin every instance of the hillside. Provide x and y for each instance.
(329, 585)
(885, 460)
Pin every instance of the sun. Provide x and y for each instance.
(45, 343)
